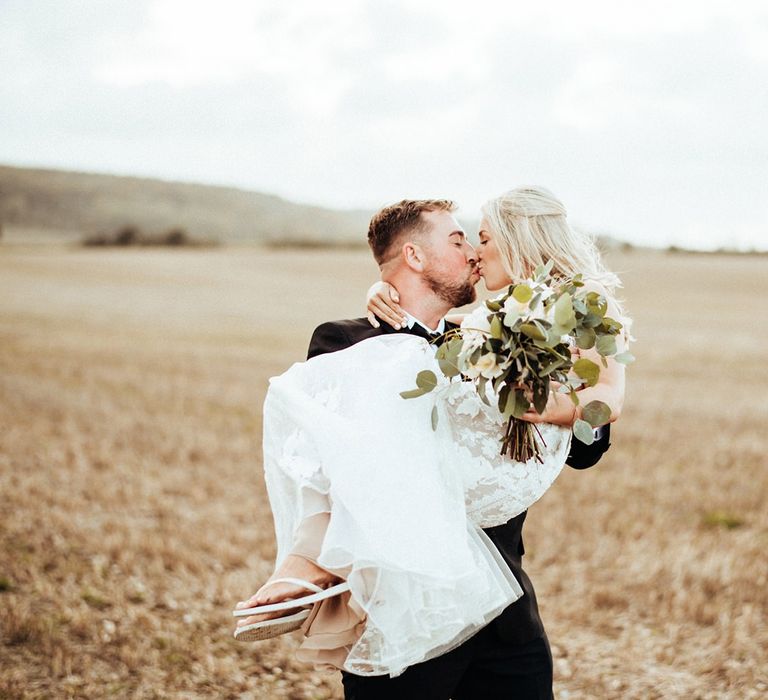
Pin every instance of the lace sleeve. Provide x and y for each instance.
(496, 488)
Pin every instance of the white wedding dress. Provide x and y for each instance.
(407, 502)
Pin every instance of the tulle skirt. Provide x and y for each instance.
(406, 500)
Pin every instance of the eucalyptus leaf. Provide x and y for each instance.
(585, 338)
(504, 397)
(586, 369)
(583, 432)
(596, 413)
(558, 331)
(532, 331)
(435, 417)
(481, 382)
(542, 271)
(540, 395)
(592, 320)
(448, 368)
(522, 293)
(521, 403)
(564, 311)
(557, 364)
(412, 393)
(426, 380)
(449, 364)
(625, 358)
(554, 338)
(496, 327)
(606, 345)
(597, 303)
(493, 305)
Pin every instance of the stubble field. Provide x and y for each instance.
(133, 513)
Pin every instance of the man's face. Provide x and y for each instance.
(451, 265)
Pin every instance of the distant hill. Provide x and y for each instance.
(60, 201)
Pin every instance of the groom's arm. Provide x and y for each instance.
(584, 456)
(328, 337)
(338, 335)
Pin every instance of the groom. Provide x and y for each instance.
(423, 252)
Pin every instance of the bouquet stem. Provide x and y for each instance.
(520, 441)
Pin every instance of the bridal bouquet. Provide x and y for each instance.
(520, 343)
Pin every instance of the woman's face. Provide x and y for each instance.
(489, 259)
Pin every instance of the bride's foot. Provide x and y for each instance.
(295, 567)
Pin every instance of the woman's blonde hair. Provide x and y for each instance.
(531, 229)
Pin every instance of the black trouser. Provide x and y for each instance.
(483, 668)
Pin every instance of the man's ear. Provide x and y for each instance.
(414, 256)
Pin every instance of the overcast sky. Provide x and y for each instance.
(649, 120)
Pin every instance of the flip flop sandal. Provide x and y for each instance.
(267, 629)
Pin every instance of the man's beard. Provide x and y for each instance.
(453, 293)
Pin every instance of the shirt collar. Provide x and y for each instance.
(411, 321)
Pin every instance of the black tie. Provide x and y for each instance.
(433, 337)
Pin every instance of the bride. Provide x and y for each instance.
(363, 486)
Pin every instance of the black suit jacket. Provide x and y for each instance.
(520, 622)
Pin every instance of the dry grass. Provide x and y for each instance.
(133, 513)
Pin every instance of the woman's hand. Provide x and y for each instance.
(559, 410)
(609, 387)
(383, 301)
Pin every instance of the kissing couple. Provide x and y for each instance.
(398, 523)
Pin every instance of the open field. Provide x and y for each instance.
(133, 513)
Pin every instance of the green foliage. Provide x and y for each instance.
(624, 358)
(522, 293)
(596, 413)
(587, 370)
(447, 356)
(532, 331)
(564, 313)
(720, 518)
(606, 345)
(525, 347)
(583, 431)
(426, 380)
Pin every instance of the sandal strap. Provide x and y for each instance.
(295, 602)
(296, 582)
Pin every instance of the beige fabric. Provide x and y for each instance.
(336, 623)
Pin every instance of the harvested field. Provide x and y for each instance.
(133, 512)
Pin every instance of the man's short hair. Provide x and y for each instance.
(391, 224)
